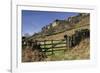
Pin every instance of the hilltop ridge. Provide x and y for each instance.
(61, 27)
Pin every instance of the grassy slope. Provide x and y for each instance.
(79, 52)
(81, 25)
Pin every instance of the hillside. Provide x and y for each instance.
(79, 52)
(83, 24)
(51, 44)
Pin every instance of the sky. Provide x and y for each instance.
(33, 21)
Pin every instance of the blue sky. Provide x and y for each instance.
(33, 21)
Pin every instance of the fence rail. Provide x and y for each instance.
(52, 45)
(66, 43)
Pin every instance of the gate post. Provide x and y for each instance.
(66, 37)
(52, 46)
(45, 46)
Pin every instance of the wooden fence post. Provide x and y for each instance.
(66, 37)
(45, 45)
(52, 46)
(67, 42)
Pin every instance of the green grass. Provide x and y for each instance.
(58, 55)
